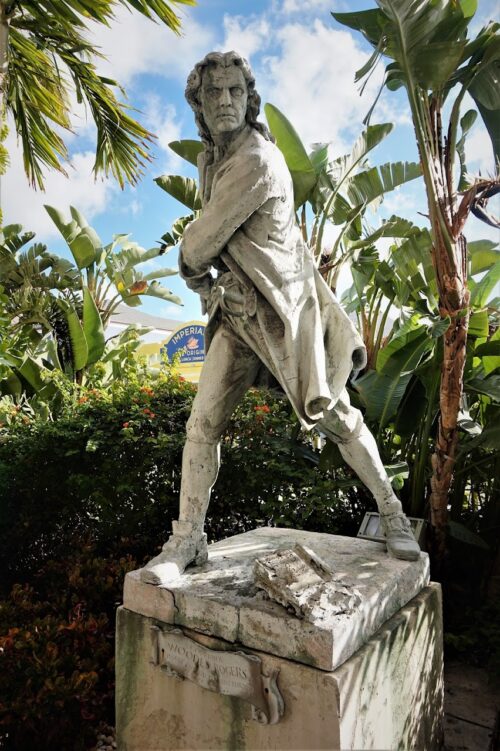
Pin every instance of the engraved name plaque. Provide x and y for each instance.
(230, 673)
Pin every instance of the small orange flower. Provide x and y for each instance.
(125, 425)
(83, 399)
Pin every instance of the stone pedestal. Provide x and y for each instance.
(208, 662)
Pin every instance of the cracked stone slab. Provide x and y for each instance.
(221, 599)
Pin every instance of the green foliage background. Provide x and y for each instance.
(91, 495)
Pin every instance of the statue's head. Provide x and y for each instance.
(221, 91)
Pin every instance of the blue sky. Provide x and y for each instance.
(304, 63)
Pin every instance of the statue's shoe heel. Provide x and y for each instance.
(177, 554)
(399, 538)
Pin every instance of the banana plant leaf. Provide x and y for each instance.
(424, 38)
(79, 347)
(171, 239)
(382, 390)
(184, 189)
(187, 149)
(489, 386)
(413, 264)
(329, 195)
(296, 157)
(131, 254)
(341, 168)
(396, 226)
(82, 240)
(483, 254)
(393, 358)
(381, 395)
(319, 156)
(159, 274)
(491, 119)
(368, 22)
(92, 328)
(369, 186)
(155, 289)
(131, 294)
(479, 323)
(11, 384)
(488, 348)
(489, 352)
(480, 77)
(481, 291)
(13, 238)
(488, 438)
(466, 123)
(30, 370)
(484, 88)
(339, 210)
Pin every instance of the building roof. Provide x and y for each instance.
(124, 316)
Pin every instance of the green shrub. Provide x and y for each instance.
(109, 467)
(57, 652)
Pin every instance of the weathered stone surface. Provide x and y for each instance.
(227, 672)
(387, 696)
(303, 584)
(220, 597)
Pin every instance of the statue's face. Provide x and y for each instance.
(223, 99)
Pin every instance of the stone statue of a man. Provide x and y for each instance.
(269, 308)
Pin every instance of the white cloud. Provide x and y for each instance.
(479, 151)
(405, 200)
(312, 82)
(173, 311)
(475, 229)
(133, 45)
(23, 205)
(304, 6)
(162, 119)
(135, 207)
(246, 37)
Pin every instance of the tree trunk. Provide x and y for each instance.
(454, 301)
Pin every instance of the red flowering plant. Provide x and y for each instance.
(57, 652)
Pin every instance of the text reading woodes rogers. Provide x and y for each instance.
(230, 673)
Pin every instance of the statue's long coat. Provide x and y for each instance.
(248, 222)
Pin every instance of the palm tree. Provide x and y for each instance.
(44, 55)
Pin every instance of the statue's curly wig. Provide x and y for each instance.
(223, 60)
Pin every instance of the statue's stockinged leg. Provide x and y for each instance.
(188, 543)
(345, 426)
(229, 369)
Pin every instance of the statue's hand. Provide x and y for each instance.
(204, 287)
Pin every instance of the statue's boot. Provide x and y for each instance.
(361, 453)
(186, 545)
(399, 538)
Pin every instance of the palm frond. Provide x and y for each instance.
(49, 56)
